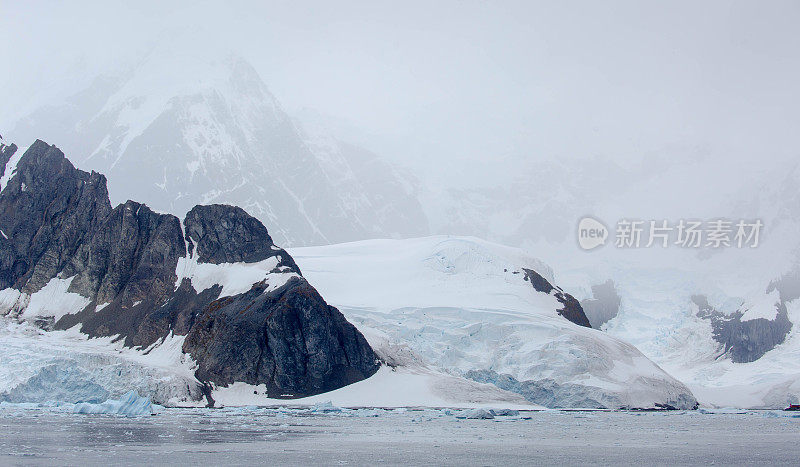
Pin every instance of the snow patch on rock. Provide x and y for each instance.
(234, 278)
(54, 300)
(762, 307)
(11, 168)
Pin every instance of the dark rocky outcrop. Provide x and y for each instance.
(5, 155)
(227, 234)
(745, 341)
(571, 308)
(301, 346)
(788, 285)
(59, 224)
(131, 256)
(129, 264)
(47, 211)
(604, 304)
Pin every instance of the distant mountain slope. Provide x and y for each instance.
(179, 129)
(733, 347)
(723, 321)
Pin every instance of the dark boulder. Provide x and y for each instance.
(227, 234)
(300, 345)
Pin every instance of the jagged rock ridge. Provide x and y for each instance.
(141, 275)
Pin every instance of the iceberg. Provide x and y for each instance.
(325, 407)
(129, 405)
(477, 414)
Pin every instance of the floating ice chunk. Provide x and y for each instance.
(368, 413)
(325, 407)
(504, 412)
(723, 410)
(480, 414)
(130, 405)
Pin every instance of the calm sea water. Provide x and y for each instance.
(367, 436)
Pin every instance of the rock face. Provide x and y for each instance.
(226, 234)
(604, 304)
(5, 155)
(571, 306)
(128, 264)
(276, 330)
(745, 341)
(299, 344)
(47, 211)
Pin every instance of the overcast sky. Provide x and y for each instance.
(466, 83)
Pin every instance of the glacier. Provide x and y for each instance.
(129, 405)
(462, 305)
(453, 318)
(67, 366)
(658, 314)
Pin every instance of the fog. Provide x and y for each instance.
(469, 81)
(425, 163)
(649, 109)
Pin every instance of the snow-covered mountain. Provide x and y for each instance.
(732, 345)
(213, 287)
(87, 291)
(725, 324)
(738, 350)
(181, 128)
(468, 307)
(178, 129)
(725, 321)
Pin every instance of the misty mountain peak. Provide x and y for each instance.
(179, 127)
